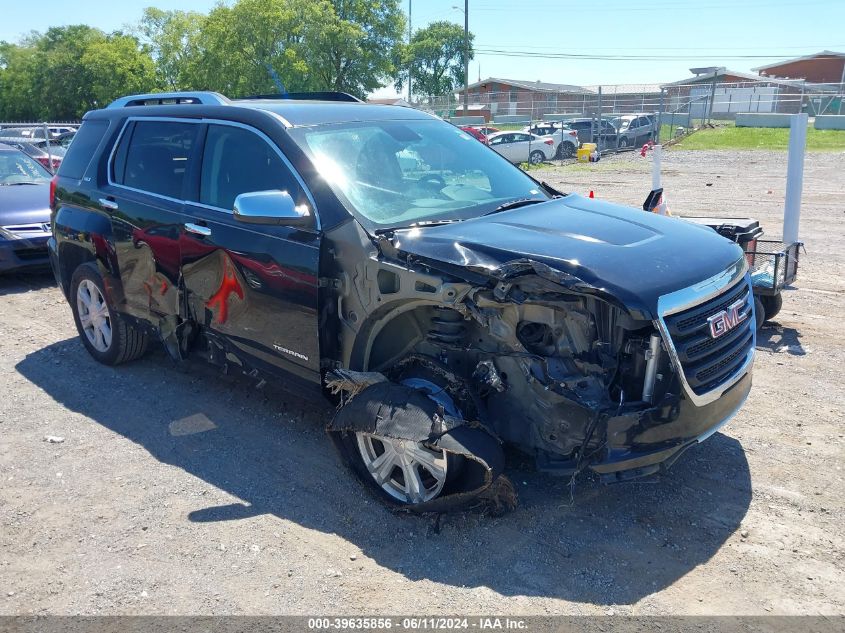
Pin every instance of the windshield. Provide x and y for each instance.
(397, 173)
(18, 168)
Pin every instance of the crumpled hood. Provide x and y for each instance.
(593, 246)
(24, 204)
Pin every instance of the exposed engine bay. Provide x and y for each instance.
(565, 375)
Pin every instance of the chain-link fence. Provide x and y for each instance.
(618, 117)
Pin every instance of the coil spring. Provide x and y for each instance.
(447, 327)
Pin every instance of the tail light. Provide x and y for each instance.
(56, 163)
(573, 133)
(549, 141)
(53, 181)
(44, 160)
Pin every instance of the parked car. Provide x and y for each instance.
(475, 133)
(520, 147)
(452, 303)
(65, 138)
(566, 139)
(486, 130)
(635, 129)
(588, 131)
(38, 131)
(24, 211)
(37, 149)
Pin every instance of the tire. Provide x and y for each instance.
(536, 157)
(436, 469)
(759, 312)
(104, 332)
(623, 143)
(771, 305)
(565, 150)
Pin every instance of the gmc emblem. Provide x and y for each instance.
(727, 319)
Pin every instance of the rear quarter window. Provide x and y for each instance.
(82, 149)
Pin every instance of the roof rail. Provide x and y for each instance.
(324, 95)
(170, 98)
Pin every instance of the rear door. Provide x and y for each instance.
(144, 197)
(253, 288)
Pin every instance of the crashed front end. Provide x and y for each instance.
(591, 366)
(579, 382)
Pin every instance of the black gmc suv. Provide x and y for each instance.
(377, 254)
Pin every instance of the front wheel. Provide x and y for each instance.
(104, 332)
(623, 143)
(536, 157)
(405, 470)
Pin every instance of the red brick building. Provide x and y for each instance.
(825, 67)
(529, 98)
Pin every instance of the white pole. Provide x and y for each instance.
(656, 152)
(794, 176)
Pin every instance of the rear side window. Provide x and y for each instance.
(154, 156)
(82, 149)
(237, 161)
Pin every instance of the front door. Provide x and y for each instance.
(252, 288)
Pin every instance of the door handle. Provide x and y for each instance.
(197, 229)
(111, 205)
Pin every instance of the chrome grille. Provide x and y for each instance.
(28, 230)
(708, 362)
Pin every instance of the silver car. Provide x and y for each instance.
(635, 129)
(521, 147)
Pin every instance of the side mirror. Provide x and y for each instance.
(271, 207)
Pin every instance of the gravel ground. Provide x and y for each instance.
(193, 493)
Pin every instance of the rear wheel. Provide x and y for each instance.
(759, 312)
(106, 334)
(623, 142)
(771, 305)
(566, 150)
(536, 157)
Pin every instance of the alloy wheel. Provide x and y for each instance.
(406, 470)
(94, 315)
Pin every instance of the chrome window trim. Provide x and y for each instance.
(204, 121)
(697, 294)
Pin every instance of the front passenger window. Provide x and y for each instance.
(237, 161)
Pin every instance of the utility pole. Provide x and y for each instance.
(410, 61)
(466, 57)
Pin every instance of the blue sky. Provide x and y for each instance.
(682, 33)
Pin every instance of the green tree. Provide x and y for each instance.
(172, 38)
(18, 65)
(237, 45)
(114, 67)
(354, 49)
(435, 57)
(70, 70)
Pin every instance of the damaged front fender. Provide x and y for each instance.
(388, 410)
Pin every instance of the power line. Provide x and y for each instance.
(665, 48)
(697, 7)
(616, 57)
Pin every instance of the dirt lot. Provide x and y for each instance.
(193, 493)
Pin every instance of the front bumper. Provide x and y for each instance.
(643, 445)
(19, 254)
